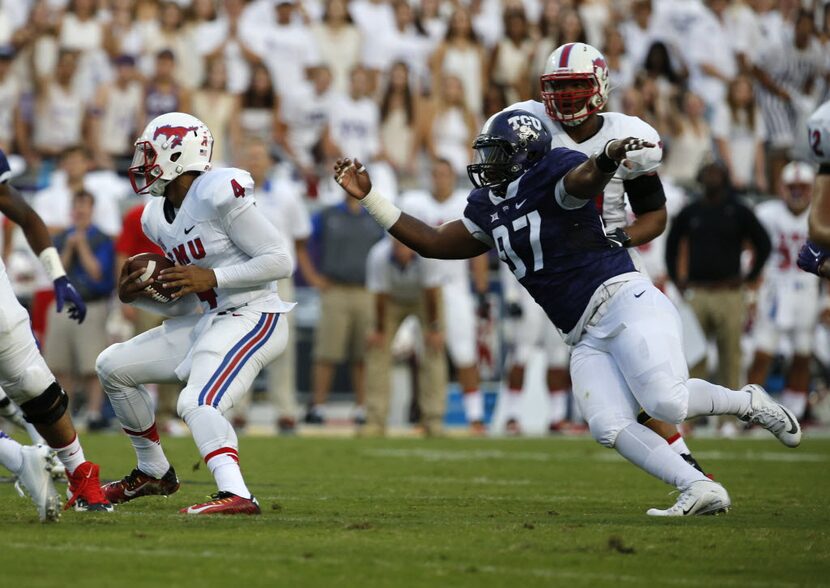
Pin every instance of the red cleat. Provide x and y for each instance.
(225, 503)
(84, 489)
(137, 484)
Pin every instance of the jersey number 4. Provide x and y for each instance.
(238, 190)
(501, 234)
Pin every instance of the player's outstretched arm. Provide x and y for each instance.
(37, 235)
(451, 240)
(589, 178)
(20, 213)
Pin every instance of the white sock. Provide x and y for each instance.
(135, 410)
(650, 452)
(218, 446)
(473, 406)
(11, 453)
(795, 401)
(708, 399)
(512, 403)
(557, 405)
(147, 445)
(678, 445)
(228, 476)
(71, 456)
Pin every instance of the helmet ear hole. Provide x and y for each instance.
(176, 156)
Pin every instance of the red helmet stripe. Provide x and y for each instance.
(566, 53)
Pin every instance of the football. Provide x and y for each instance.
(153, 263)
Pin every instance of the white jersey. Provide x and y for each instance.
(615, 126)
(818, 127)
(199, 235)
(422, 205)
(787, 232)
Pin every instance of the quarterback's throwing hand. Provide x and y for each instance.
(352, 177)
(620, 148)
(189, 279)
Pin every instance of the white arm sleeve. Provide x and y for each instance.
(270, 259)
(564, 199)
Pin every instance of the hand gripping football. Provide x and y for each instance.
(152, 263)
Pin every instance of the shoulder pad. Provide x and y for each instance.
(226, 191)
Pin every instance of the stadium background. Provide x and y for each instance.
(395, 83)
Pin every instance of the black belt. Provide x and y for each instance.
(231, 310)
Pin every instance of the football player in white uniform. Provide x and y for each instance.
(788, 300)
(443, 203)
(815, 253)
(228, 257)
(575, 87)
(24, 375)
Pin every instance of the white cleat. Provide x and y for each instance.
(35, 478)
(54, 465)
(701, 498)
(775, 418)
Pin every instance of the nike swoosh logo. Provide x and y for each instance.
(815, 253)
(187, 231)
(520, 204)
(793, 425)
(640, 294)
(688, 510)
(130, 493)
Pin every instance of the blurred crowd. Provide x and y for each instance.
(287, 86)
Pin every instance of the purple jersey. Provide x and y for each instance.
(561, 256)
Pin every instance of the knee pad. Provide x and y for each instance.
(104, 365)
(672, 406)
(187, 403)
(47, 408)
(606, 426)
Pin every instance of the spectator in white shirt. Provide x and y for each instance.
(712, 60)
(226, 37)
(306, 117)
(739, 132)
(354, 121)
(339, 42)
(116, 115)
(288, 49)
(53, 203)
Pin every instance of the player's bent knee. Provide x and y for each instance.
(106, 365)
(605, 428)
(188, 402)
(671, 406)
(48, 407)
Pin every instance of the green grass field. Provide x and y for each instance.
(455, 512)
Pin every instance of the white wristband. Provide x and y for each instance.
(383, 211)
(52, 263)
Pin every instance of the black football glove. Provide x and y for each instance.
(618, 238)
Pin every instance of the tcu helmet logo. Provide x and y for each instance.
(174, 135)
(526, 127)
